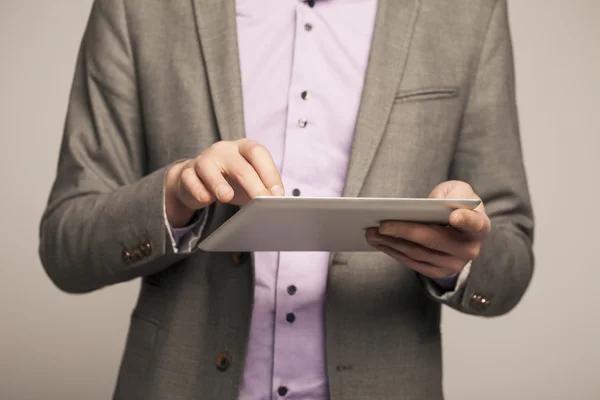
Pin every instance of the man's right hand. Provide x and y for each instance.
(230, 172)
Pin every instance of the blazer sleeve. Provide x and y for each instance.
(489, 157)
(104, 221)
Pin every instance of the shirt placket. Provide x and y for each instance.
(289, 292)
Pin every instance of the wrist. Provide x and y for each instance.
(178, 214)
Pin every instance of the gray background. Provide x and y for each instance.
(58, 346)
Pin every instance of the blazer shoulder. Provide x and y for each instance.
(109, 8)
(466, 20)
(117, 10)
(472, 10)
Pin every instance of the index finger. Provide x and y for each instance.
(261, 160)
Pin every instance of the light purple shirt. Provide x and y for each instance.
(302, 77)
(287, 48)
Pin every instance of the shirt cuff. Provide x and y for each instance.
(441, 292)
(447, 283)
(186, 239)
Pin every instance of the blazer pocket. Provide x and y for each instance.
(423, 94)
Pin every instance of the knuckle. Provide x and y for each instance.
(203, 196)
(221, 145)
(186, 178)
(255, 150)
(201, 162)
(480, 225)
(192, 188)
(186, 165)
(472, 252)
(462, 185)
(218, 148)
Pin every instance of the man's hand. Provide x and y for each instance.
(230, 172)
(432, 250)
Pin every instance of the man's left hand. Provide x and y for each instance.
(433, 250)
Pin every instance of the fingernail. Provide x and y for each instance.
(385, 230)
(277, 190)
(223, 190)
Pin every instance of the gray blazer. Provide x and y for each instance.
(159, 81)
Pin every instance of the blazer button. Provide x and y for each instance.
(239, 258)
(479, 301)
(223, 361)
(136, 255)
(146, 248)
(126, 257)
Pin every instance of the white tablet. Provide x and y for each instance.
(321, 224)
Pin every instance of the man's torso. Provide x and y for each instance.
(381, 331)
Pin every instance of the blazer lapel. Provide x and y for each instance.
(389, 50)
(217, 34)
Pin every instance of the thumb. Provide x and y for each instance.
(456, 190)
(453, 190)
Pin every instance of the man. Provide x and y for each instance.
(181, 111)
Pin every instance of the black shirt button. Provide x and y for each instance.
(296, 192)
(304, 95)
(240, 258)
(290, 317)
(282, 391)
(223, 361)
(291, 290)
